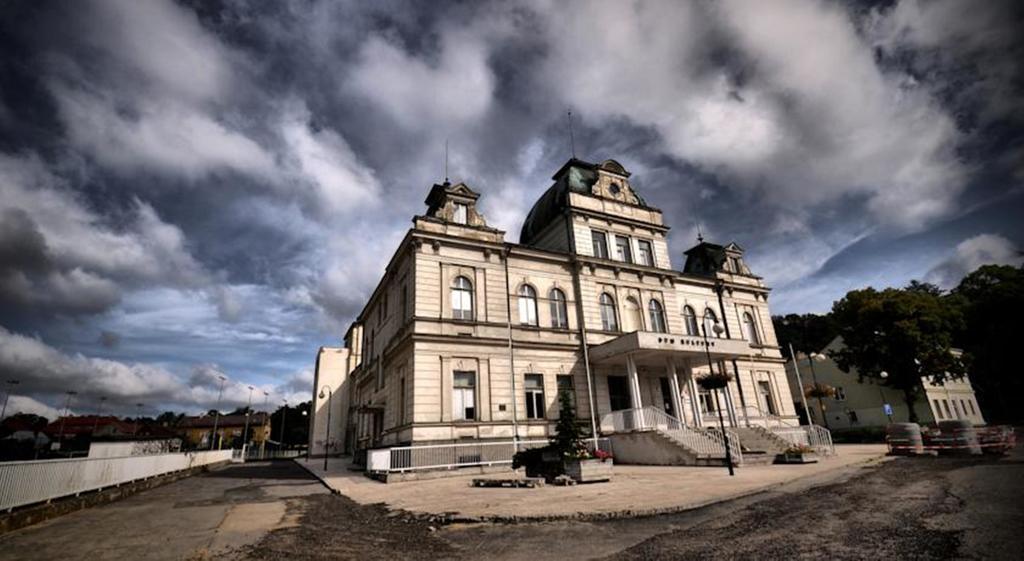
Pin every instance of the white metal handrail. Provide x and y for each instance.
(703, 442)
(24, 483)
(815, 436)
(452, 456)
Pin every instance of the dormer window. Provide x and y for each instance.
(460, 214)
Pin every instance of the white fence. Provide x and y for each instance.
(24, 483)
(451, 456)
(704, 442)
(814, 436)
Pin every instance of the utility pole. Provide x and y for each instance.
(245, 431)
(96, 421)
(266, 435)
(284, 415)
(216, 415)
(67, 410)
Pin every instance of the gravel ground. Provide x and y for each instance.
(921, 508)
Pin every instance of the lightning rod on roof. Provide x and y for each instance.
(572, 139)
(446, 160)
(700, 234)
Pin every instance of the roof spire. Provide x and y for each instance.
(572, 139)
(700, 233)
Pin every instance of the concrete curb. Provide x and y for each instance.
(823, 478)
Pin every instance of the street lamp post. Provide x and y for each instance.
(284, 416)
(883, 375)
(10, 385)
(67, 410)
(138, 415)
(327, 438)
(245, 431)
(721, 421)
(96, 421)
(263, 442)
(216, 413)
(814, 376)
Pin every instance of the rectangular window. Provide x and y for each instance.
(840, 394)
(600, 241)
(566, 387)
(618, 393)
(938, 409)
(645, 252)
(461, 214)
(946, 410)
(707, 401)
(622, 251)
(534, 385)
(971, 403)
(764, 389)
(405, 301)
(464, 395)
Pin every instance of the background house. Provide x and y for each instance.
(198, 431)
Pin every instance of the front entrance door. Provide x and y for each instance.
(666, 397)
(618, 393)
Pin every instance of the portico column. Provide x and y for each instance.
(691, 383)
(634, 392)
(673, 384)
(730, 406)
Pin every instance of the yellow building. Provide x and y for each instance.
(198, 431)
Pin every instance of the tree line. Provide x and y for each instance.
(917, 330)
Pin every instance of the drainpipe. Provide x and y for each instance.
(735, 367)
(578, 293)
(511, 354)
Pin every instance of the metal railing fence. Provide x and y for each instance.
(815, 436)
(24, 483)
(452, 456)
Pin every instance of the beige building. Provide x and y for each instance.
(859, 404)
(469, 336)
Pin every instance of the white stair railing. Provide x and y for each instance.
(815, 436)
(703, 442)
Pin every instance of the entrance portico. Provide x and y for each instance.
(651, 364)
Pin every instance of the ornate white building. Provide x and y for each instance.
(471, 336)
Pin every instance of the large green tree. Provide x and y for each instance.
(992, 300)
(808, 333)
(907, 333)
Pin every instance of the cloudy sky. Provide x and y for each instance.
(197, 189)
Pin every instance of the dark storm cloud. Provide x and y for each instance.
(221, 184)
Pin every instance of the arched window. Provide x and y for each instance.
(750, 329)
(559, 313)
(710, 320)
(690, 319)
(633, 320)
(462, 298)
(657, 314)
(609, 319)
(527, 305)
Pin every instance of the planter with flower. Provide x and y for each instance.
(567, 454)
(797, 454)
(714, 380)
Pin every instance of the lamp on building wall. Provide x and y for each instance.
(327, 438)
(721, 421)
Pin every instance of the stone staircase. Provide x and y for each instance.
(760, 445)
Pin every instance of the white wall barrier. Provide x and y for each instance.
(24, 483)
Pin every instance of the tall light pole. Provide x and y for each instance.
(284, 415)
(10, 386)
(327, 438)
(245, 431)
(721, 421)
(883, 375)
(96, 421)
(138, 415)
(800, 384)
(67, 410)
(216, 413)
(263, 441)
(814, 376)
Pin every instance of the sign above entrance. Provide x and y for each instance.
(647, 345)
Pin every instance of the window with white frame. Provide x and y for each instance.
(750, 329)
(645, 253)
(559, 311)
(971, 403)
(461, 214)
(527, 305)
(464, 395)
(609, 319)
(600, 241)
(690, 320)
(710, 320)
(533, 384)
(462, 298)
(622, 249)
(657, 313)
(938, 409)
(566, 387)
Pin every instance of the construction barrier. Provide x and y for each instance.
(954, 440)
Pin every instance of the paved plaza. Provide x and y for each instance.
(634, 490)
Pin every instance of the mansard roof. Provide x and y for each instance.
(575, 176)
